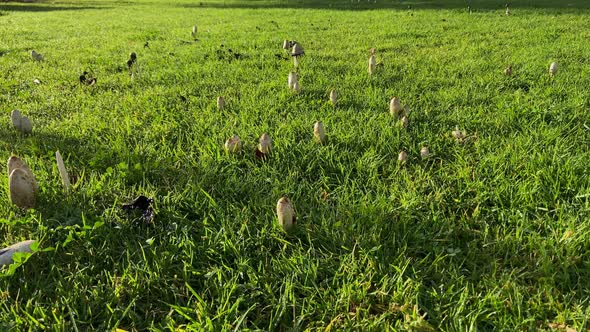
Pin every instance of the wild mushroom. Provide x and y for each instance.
(233, 144)
(296, 53)
(395, 107)
(402, 157)
(22, 189)
(16, 117)
(424, 152)
(26, 127)
(297, 50)
(288, 44)
(319, 133)
(286, 213)
(132, 64)
(15, 162)
(372, 62)
(404, 122)
(220, 103)
(194, 32)
(20, 122)
(333, 97)
(7, 253)
(264, 146)
(553, 68)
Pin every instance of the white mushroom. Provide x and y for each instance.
(15, 162)
(404, 122)
(36, 81)
(26, 127)
(395, 107)
(553, 68)
(372, 64)
(265, 144)
(402, 157)
(424, 152)
(65, 178)
(16, 118)
(233, 144)
(333, 97)
(319, 133)
(220, 103)
(194, 32)
(372, 61)
(22, 189)
(285, 213)
(7, 253)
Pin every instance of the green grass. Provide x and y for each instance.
(493, 234)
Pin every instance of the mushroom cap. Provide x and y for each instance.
(220, 102)
(297, 50)
(285, 213)
(7, 253)
(22, 189)
(15, 162)
(395, 107)
(333, 97)
(265, 143)
(16, 118)
(403, 156)
(233, 144)
(25, 125)
(424, 152)
(404, 121)
(553, 68)
(319, 133)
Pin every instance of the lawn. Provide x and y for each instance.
(491, 233)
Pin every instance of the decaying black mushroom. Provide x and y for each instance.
(143, 204)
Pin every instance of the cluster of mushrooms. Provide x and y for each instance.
(23, 187)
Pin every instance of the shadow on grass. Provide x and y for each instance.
(442, 252)
(40, 143)
(385, 4)
(43, 7)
